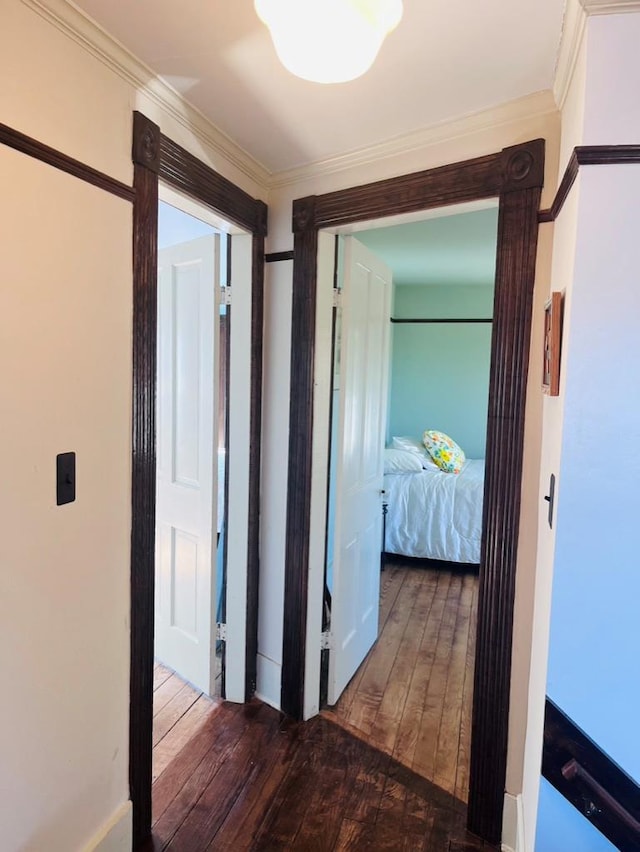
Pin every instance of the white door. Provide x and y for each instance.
(186, 497)
(364, 356)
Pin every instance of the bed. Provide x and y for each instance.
(435, 515)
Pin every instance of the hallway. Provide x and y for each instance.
(248, 779)
(231, 777)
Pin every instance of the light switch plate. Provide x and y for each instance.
(65, 478)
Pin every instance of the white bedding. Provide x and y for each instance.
(435, 515)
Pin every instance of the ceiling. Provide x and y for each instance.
(443, 61)
(449, 250)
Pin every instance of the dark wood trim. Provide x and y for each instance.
(568, 179)
(276, 256)
(514, 175)
(158, 158)
(143, 489)
(443, 320)
(515, 274)
(607, 155)
(588, 155)
(588, 778)
(39, 151)
(299, 471)
(145, 150)
(471, 180)
(186, 173)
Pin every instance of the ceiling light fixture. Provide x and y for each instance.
(328, 41)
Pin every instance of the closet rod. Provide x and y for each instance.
(460, 319)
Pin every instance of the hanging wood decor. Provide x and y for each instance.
(551, 348)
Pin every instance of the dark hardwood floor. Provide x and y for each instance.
(412, 695)
(249, 779)
(230, 777)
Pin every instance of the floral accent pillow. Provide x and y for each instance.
(444, 451)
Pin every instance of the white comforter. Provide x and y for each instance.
(436, 515)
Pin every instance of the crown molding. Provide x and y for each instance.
(573, 28)
(529, 106)
(75, 24)
(610, 7)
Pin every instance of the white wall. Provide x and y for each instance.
(611, 116)
(66, 382)
(562, 234)
(595, 575)
(561, 278)
(594, 258)
(66, 376)
(596, 581)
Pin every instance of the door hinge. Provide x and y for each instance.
(337, 297)
(225, 297)
(221, 631)
(326, 640)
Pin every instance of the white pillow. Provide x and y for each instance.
(415, 446)
(401, 461)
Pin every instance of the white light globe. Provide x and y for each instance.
(328, 41)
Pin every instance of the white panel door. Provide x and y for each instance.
(366, 304)
(186, 496)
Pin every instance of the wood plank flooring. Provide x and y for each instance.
(386, 769)
(249, 779)
(412, 695)
(178, 712)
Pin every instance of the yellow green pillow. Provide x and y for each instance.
(444, 451)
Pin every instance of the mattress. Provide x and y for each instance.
(435, 515)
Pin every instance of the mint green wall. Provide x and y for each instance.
(440, 372)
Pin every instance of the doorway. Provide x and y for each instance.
(411, 694)
(191, 485)
(190, 473)
(157, 158)
(515, 177)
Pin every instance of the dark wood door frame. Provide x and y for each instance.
(156, 157)
(515, 176)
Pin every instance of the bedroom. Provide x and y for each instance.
(419, 674)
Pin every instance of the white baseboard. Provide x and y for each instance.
(116, 835)
(513, 824)
(268, 681)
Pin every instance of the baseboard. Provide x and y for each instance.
(513, 824)
(116, 834)
(268, 681)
